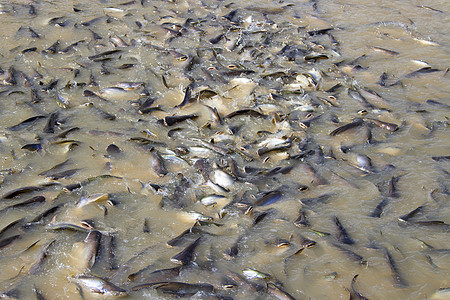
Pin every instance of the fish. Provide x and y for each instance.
(278, 292)
(244, 112)
(84, 200)
(171, 120)
(23, 190)
(157, 163)
(398, 279)
(411, 214)
(269, 198)
(441, 294)
(379, 208)
(319, 199)
(342, 234)
(51, 123)
(26, 123)
(186, 99)
(350, 254)
(92, 246)
(384, 125)
(354, 294)
(32, 201)
(35, 268)
(98, 285)
(157, 275)
(354, 124)
(384, 51)
(185, 257)
(178, 289)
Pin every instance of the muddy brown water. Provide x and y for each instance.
(280, 59)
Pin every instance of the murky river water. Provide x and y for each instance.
(318, 128)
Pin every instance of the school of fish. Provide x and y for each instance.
(187, 149)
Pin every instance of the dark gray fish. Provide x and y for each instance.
(216, 118)
(353, 124)
(9, 240)
(384, 125)
(39, 219)
(187, 97)
(51, 123)
(382, 81)
(70, 47)
(269, 198)
(358, 97)
(55, 168)
(32, 147)
(342, 234)
(34, 269)
(35, 98)
(89, 93)
(92, 21)
(67, 226)
(29, 202)
(26, 123)
(33, 33)
(392, 191)
(38, 293)
(305, 242)
(11, 225)
(232, 16)
(32, 49)
(104, 54)
(171, 120)
(398, 279)
(62, 174)
(92, 242)
(144, 141)
(157, 163)
(430, 8)
(245, 112)
(59, 21)
(264, 150)
(113, 150)
(354, 294)
(259, 216)
(179, 239)
(108, 251)
(434, 223)
(319, 32)
(185, 256)
(157, 275)
(441, 158)
(278, 293)
(178, 289)
(301, 220)
(66, 132)
(334, 88)
(437, 103)
(319, 199)
(379, 209)
(384, 51)
(352, 255)
(411, 214)
(23, 190)
(217, 39)
(424, 70)
(143, 108)
(54, 48)
(204, 167)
